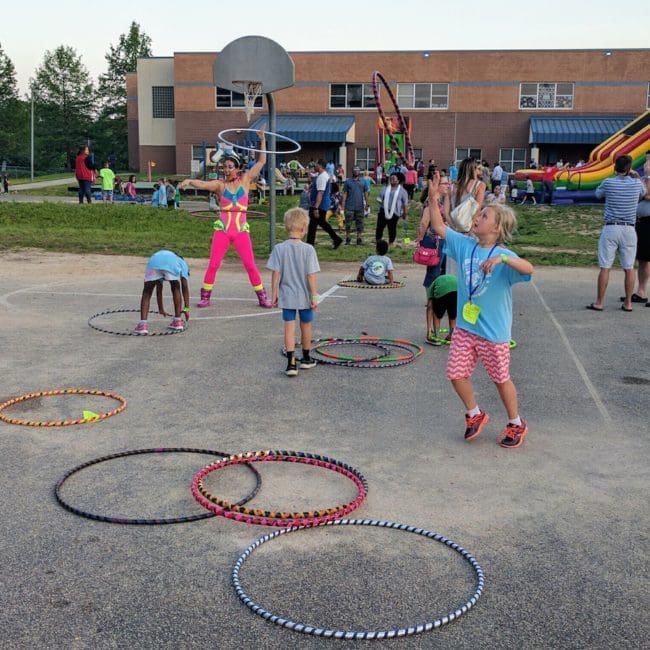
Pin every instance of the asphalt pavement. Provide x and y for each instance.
(559, 526)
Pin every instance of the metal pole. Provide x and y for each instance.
(270, 174)
(32, 138)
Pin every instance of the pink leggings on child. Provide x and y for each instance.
(221, 241)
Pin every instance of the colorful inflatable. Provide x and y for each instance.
(633, 140)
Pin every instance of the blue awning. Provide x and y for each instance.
(578, 129)
(311, 128)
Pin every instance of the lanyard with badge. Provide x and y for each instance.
(471, 311)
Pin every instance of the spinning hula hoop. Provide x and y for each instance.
(433, 339)
(410, 157)
(414, 350)
(271, 518)
(62, 423)
(214, 214)
(284, 138)
(130, 332)
(354, 284)
(315, 630)
(147, 522)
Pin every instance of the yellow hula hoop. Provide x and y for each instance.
(61, 423)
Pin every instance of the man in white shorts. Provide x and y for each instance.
(622, 193)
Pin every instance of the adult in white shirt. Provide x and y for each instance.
(497, 175)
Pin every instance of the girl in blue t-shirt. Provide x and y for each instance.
(165, 265)
(486, 272)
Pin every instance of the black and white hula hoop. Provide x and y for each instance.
(157, 521)
(129, 332)
(282, 138)
(316, 630)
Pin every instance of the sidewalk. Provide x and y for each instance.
(39, 184)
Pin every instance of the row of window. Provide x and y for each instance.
(435, 96)
(510, 159)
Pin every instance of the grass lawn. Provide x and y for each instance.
(546, 235)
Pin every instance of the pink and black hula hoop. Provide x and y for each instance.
(282, 519)
(141, 521)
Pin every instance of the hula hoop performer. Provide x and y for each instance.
(231, 226)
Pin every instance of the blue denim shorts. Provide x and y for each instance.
(306, 315)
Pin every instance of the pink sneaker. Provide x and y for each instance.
(205, 298)
(176, 324)
(141, 328)
(263, 299)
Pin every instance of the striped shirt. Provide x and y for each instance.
(622, 194)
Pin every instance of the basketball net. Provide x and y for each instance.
(251, 91)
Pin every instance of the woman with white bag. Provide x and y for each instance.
(467, 199)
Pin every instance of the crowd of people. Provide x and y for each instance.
(469, 278)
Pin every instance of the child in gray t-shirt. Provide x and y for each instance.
(294, 265)
(377, 269)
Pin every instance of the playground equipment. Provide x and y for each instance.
(393, 134)
(577, 184)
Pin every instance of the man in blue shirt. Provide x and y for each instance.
(622, 193)
(353, 204)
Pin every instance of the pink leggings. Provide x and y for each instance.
(221, 241)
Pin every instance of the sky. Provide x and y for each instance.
(90, 28)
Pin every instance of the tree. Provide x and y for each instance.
(121, 59)
(12, 112)
(64, 95)
(8, 88)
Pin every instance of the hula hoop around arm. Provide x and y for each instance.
(147, 522)
(355, 284)
(129, 332)
(273, 518)
(410, 156)
(62, 423)
(283, 138)
(316, 630)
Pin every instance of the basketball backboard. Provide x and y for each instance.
(254, 58)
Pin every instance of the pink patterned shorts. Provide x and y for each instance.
(467, 348)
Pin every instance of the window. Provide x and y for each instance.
(197, 152)
(467, 152)
(365, 158)
(423, 95)
(648, 102)
(351, 96)
(162, 100)
(512, 159)
(417, 154)
(232, 99)
(546, 96)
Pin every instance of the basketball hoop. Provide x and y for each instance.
(251, 91)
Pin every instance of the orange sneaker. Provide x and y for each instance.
(513, 436)
(475, 424)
